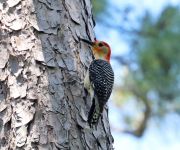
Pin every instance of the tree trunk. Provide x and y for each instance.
(42, 67)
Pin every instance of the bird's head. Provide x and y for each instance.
(101, 50)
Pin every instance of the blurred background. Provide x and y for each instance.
(144, 36)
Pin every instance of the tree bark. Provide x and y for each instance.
(42, 67)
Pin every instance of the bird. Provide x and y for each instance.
(99, 79)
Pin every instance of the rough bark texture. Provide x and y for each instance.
(42, 67)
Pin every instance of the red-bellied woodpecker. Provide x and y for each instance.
(99, 79)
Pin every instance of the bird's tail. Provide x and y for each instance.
(94, 113)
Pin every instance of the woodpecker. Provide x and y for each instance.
(99, 79)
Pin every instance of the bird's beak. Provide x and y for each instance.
(87, 41)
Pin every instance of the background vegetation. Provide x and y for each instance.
(151, 66)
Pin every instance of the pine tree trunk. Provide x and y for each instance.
(42, 67)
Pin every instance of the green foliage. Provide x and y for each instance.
(99, 7)
(158, 57)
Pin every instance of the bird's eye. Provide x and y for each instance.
(100, 44)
